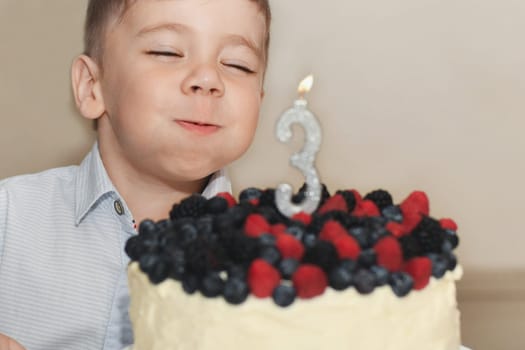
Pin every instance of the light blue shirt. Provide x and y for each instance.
(63, 282)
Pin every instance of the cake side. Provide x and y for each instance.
(164, 316)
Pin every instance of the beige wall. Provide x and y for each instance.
(412, 94)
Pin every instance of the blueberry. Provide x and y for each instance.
(350, 265)
(159, 271)
(236, 291)
(361, 235)
(190, 283)
(163, 225)
(150, 242)
(439, 265)
(452, 238)
(452, 261)
(212, 285)
(401, 283)
(187, 233)
(376, 234)
(238, 214)
(267, 239)
(447, 247)
(381, 275)
(134, 248)
(364, 281)
(147, 226)
(340, 278)
(216, 205)
(309, 240)
(393, 213)
(367, 258)
(284, 295)
(204, 225)
(270, 254)
(296, 231)
(287, 267)
(250, 194)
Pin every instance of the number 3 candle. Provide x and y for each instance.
(304, 160)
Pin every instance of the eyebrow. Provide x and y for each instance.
(234, 39)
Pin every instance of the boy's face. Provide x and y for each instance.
(182, 85)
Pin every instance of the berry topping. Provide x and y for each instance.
(381, 198)
(309, 281)
(420, 268)
(335, 203)
(262, 278)
(366, 208)
(256, 225)
(284, 295)
(290, 247)
(389, 253)
(448, 224)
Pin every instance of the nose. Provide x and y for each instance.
(203, 80)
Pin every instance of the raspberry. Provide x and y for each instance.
(396, 229)
(229, 198)
(448, 224)
(303, 217)
(309, 281)
(331, 230)
(366, 208)
(420, 269)
(256, 225)
(278, 230)
(335, 203)
(381, 198)
(389, 253)
(347, 247)
(410, 220)
(262, 278)
(417, 202)
(290, 247)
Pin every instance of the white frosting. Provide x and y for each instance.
(165, 317)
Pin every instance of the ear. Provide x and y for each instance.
(85, 77)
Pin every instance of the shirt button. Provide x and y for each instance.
(118, 207)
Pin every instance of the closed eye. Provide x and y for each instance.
(164, 53)
(241, 68)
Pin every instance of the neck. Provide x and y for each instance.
(146, 196)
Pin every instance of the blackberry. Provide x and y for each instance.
(204, 225)
(147, 226)
(322, 254)
(238, 214)
(235, 291)
(193, 207)
(241, 249)
(287, 267)
(364, 281)
(284, 295)
(381, 198)
(340, 278)
(429, 235)
(349, 199)
(198, 257)
(410, 247)
(267, 198)
(212, 285)
(249, 194)
(401, 283)
(216, 205)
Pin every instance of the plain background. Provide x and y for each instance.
(411, 94)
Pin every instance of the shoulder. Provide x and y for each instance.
(31, 185)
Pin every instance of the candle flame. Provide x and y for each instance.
(306, 85)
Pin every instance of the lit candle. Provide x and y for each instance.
(303, 160)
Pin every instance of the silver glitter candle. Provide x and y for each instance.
(304, 160)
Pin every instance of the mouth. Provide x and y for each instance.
(198, 127)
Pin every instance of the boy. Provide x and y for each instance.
(175, 87)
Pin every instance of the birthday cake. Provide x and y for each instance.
(357, 273)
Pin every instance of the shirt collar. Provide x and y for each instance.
(93, 182)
